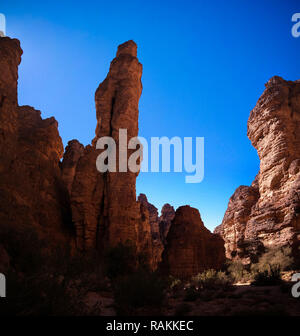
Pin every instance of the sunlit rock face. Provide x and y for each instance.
(191, 248)
(31, 190)
(267, 214)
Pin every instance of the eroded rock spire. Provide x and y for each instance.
(267, 214)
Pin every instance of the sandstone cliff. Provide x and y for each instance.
(267, 214)
(71, 200)
(191, 248)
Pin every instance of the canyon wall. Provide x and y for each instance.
(69, 202)
(32, 192)
(267, 214)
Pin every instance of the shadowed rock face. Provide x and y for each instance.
(165, 220)
(104, 207)
(267, 213)
(151, 214)
(73, 153)
(191, 248)
(159, 226)
(31, 190)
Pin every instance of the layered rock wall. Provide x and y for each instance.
(31, 190)
(267, 214)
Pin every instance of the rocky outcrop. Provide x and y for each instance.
(153, 219)
(153, 216)
(237, 215)
(159, 226)
(32, 192)
(104, 207)
(267, 214)
(72, 154)
(191, 248)
(165, 220)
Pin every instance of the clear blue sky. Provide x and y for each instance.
(205, 65)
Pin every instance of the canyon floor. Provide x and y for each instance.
(242, 300)
(239, 300)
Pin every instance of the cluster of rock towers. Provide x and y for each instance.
(68, 201)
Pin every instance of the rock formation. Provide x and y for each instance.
(267, 214)
(151, 212)
(104, 207)
(31, 190)
(153, 216)
(72, 154)
(165, 220)
(159, 226)
(191, 248)
(71, 200)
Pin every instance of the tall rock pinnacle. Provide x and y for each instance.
(104, 206)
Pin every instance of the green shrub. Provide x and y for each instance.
(237, 271)
(267, 271)
(211, 279)
(174, 283)
(140, 289)
(268, 278)
(276, 258)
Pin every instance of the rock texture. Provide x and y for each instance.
(159, 226)
(72, 154)
(165, 220)
(150, 212)
(31, 190)
(153, 216)
(191, 248)
(104, 206)
(267, 214)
